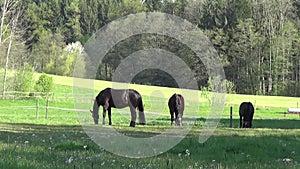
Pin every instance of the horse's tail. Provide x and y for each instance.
(140, 105)
(142, 118)
(179, 102)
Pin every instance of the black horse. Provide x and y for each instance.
(109, 98)
(176, 105)
(246, 112)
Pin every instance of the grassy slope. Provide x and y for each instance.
(27, 142)
(264, 101)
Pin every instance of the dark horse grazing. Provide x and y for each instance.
(176, 105)
(246, 114)
(109, 98)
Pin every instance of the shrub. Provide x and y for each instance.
(24, 80)
(44, 84)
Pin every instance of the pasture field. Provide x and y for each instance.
(60, 141)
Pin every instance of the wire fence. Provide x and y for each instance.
(42, 102)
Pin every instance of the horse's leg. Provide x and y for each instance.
(104, 115)
(109, 116)
(241, 121)
(172, 117)
(142, 119)
(176, 118)
(179, 119)
(133, 116)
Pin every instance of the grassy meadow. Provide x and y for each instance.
(61, 142)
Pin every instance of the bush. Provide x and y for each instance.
(24, 80)
(44, 84)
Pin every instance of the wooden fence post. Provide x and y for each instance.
(230, 116)
(47, 106)
(37, 108)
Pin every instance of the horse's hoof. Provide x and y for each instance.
(109, 123)
(132, 124)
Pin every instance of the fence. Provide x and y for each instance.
(54, 98)
(38, 96)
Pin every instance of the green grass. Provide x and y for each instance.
(40, 146)
(60, 142)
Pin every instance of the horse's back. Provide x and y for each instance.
(176, 101)
(246, 107)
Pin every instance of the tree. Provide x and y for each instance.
(45, 54)
(44, 84)
(24, 80)
(11, 12)
(71, 14)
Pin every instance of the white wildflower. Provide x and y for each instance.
(187, 153)
(85, 147)
(287, 160)
(179, 155)
(26, 142)
(69, 160)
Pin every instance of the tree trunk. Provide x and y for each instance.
(2, 19)
(6, 64)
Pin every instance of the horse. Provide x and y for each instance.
(246, 113)
(176, 105)
(118, 98)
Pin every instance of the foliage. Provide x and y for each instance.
(257, 41)
(24, 79)
(44, 84)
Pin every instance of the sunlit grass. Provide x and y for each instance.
(59, 141)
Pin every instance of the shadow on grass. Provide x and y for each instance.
(265, 123)
(53, 146)
(257, 123)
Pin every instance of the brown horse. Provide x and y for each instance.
(176, 105)
(109, 98)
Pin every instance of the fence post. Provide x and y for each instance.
(230, 116)
(37, 108)
(47, 106)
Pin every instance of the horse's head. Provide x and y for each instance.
(95, 113)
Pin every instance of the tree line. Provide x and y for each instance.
(258, 41)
